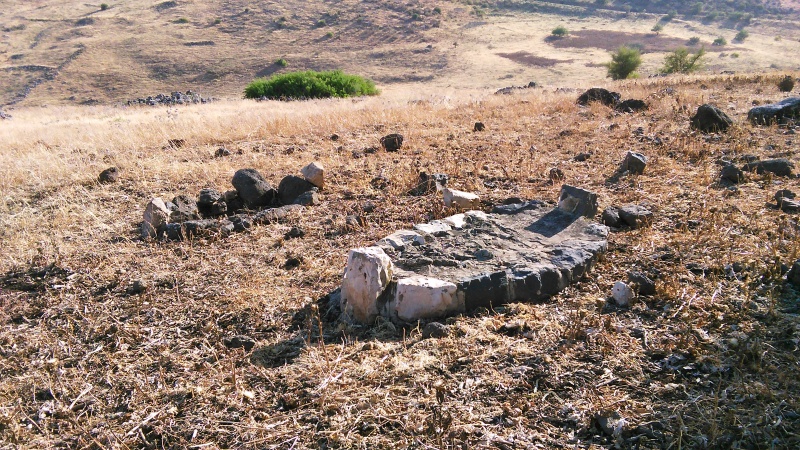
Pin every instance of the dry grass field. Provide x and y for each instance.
(109, 341)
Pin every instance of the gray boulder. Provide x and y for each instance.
(710, 119)
(781, 167)
(781, 112)
(636, 216)
(185, 209)
(254, 191)
(291, 187)
(634, 163)
(611, 218)
(210, 203)
(731, 173)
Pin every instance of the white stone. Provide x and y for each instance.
(314, 173)
(368, 272)
(457, 221)
(419, 297)
(480, 215)
(399, 239)
(436, 227)
(460, 199)
(156, 215)
(622, 293)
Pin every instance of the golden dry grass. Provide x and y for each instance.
(709, 361)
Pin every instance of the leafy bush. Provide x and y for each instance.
(310, 84)
(103, 6)
(182, 20)
(281, 62)
(624, 63)
(720, 41)
(560, 31)
(681, 61)
(657, 28)
(741, 36)
(694, 40)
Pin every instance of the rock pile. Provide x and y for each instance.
(253, 201)
(780, 167)
(520, 252)
(175, 98)
(511, 89)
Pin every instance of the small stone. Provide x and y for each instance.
(294, 232)
(429, 184)
(334, 137)
(137, 287)
(185, 209)
(234, 202)
(254, 191)
(368, 207)
(622, 294)
(292, 263)
(577, 201)
(292, 187)
(110, 175)
(479, 126)
(634, 163)
(239, 341)
(555, 174)
(643, 284)
(222, 152)
(366, 275)
(156, 215)
(435, 330)
(308, 198)
(611, 218)
(581, 157)
(314, 173)
(782, 112)
(210, 203)
(460, 199)
(731, 173)
(784, 194)
(636, 216)
(392, 142)
(601, 95)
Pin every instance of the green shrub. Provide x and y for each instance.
(681, 61)
(719, 41)
(182, 20)
(741, 36)
(281, 62)
(103, 6)
(310, 84)
(560, 31)
(734, 55)
(657, 28)
(321, 23)
(624, 63)
(437, 10)
(217, 21)
(694, 40)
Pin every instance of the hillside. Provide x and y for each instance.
(111, 341)
(71, 52)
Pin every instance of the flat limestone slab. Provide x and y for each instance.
(519, 253)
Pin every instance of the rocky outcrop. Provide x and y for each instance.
(781, 112)
(710, 119)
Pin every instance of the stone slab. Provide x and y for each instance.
(526, 252)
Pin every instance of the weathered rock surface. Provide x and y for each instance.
(210, 203)
(459, 199)
(524, 252)
(110, 175)
(435, 330)
(786, 201)
(781, 112)
(636, 216)
(185, 209)
(710, 119)
(601, 95)
(794, 273)
(577, 201)
(314, 173)
(156, 216)
(254, 191)
(731, 173)
(779, 166)
(366, 277)
(611, 218)
(643, 284)
(622, 293)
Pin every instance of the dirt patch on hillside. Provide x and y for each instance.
(612, 40)
(529, 59)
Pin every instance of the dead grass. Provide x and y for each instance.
(709, 361)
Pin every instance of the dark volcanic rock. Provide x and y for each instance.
(780, 167)
(794, 273)
(210, 203)
(307, 198)
(710, 119)
(781, 112)
(644, 285)
(275, 214)
(631, 106)
(634, 163)
(479, 126)
(611, 218)
(601, 95)
(253, 189)
(110, 175)
(240, 341)
(392, 142)
(577, 201)
(234, 202)
(291, 187)
(435, 330)
(185, 209)
(198, 228)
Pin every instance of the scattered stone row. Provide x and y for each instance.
(175, 98)
(710, 119)
(780, 167)
(508, 90)
(4, 116)
(253, 201)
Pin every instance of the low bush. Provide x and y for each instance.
(560, 31)
(310, 84)
(694, 40)
(103, 6)
(624, 63)
(741, 36)
(720, 41)
(681, 61)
